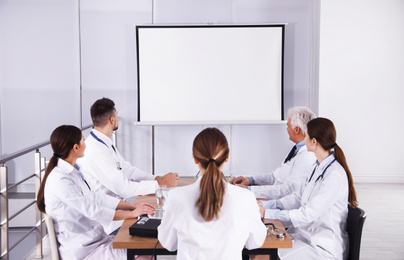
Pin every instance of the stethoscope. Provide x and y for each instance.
(322, 175)
(319, 177)
(275, 231)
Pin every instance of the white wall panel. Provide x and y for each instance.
(259, 149)
(192, 11)
(297, 40)
(39, 68)
(108, 52)
(361, 84)
(109, 68)
(39, 75)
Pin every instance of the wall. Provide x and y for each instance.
(39, 75)
(361, 83)
(108, 39)
(86, 50)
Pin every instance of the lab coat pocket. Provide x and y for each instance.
(324, 245)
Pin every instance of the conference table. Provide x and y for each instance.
(136, 245)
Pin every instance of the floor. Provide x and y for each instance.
(383, 234)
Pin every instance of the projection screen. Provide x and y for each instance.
(210, 74)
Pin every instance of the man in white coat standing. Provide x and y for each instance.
(292, 173)
(104, 168)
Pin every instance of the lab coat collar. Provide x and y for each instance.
(326, 161)
(67, 167)
(301, 149)
(102, 137)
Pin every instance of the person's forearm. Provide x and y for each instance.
(282, 215)
(120, 215)
(123, 205)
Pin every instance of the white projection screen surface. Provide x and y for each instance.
(210, 74)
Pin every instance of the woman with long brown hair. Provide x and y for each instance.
(211, 219)
(77, 211)
(317, 215)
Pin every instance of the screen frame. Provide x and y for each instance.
(203, 122)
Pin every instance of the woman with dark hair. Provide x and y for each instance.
(211, 219)
(317, 215)
(76, 211)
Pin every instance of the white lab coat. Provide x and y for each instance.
(76, 212)
(287, 178)
(184, 229)
(105, 169)
(319, 215)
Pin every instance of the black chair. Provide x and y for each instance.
(355, 221)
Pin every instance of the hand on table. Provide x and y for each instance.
(143, 208)
(241, 180)
(170, 179)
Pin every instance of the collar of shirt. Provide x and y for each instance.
(326, 161)
(67, 167)
(298, 146)
(102, 137)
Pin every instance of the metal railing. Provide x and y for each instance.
(40, 166)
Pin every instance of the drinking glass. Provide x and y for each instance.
(161, 194)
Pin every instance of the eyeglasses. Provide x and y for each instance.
(274, 231)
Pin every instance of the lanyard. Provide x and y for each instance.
(118, 164)
(322, 175)
(81, 176)
(98, 139)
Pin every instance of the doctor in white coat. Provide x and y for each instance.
(76, 210)
(106, 170)
(292, 173)
(211, 219)
(317, 216)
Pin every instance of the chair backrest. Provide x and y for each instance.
(52, 237)
(355, 221)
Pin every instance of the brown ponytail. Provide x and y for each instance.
(324, 131)
(210, 149)
(339, 154)
(62, 141)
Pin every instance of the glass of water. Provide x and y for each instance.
(161, 194)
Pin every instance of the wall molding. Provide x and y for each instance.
(379, 178)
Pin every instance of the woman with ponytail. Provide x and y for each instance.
(211, 219)
(76, 211)
(317, 215)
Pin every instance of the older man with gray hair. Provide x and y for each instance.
(292, 173)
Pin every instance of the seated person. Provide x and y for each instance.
(105, 169)
(293, 172)
(211, 219)
(317, 217)
(76, 210)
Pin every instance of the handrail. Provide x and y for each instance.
(4, 159)
(22, 181)
(21, 210)
(21, 239)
